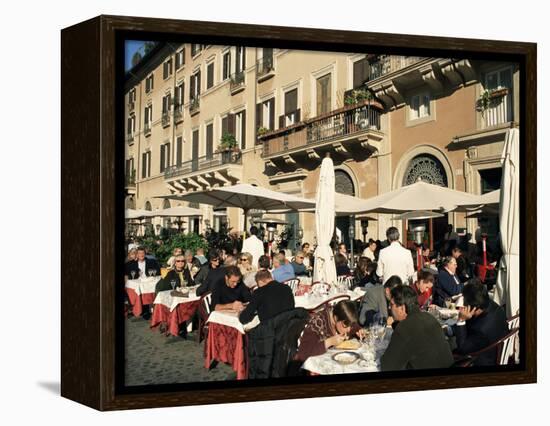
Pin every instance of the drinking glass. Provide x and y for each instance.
(150, 272)
(173, 284)
(448, 302)
(133, 274)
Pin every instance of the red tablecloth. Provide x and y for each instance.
(182, 312)
(137, 302)
(228, 345)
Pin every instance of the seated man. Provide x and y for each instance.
(269, 300)
(417, 341)
(282, 270)
(375, 302)
(481, 322)
(423, 288)
(298, 264)
(229, 292)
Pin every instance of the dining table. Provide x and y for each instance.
(172, 310)
(364, 359)
(227, 341)
(141, 292)
(310, 300)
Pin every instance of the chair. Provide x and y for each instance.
(505, 349)
(347, 280)
(330, 302)
(293, 284)
(513, 322)
(204, 312)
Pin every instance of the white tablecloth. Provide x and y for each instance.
(446, 317)
(369, 360)
(143, 285)
(166, 299)
(310, 301)
(231, 319)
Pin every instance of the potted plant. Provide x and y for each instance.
(262, 131)
(489, 98)
(357, 96)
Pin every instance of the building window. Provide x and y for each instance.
(427, 169)
(195, 49)
(241, 59)
(149, 83)
(180, 58)
(419, 106)
(226, 65)
(166, 104)
(292, 113)
(195, 150)
(129, 167)
(195, 86)
(131, 128)
(146, 164)
(209, 140)
(164, 156)
(360, 72)
(167, 69)
(240, 129)
(179, 150)
(148, 118)
(265, 114)
(324, 89)
(132, 96)
(210, 75)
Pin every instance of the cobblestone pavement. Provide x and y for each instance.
(152, 358)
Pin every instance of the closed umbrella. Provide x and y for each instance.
(507, 288)
(324, 267)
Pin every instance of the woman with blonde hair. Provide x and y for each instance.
(248, 270)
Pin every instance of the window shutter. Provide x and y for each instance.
(298, 115)
(192, 88)
(291, 101)
(259, 117)
(168, 101)
(210, 76)
(195, 152)
(129, 126)
(272, 114)
(209, 140)
(360, 69)
(225, 125)
(152, 81)
(143, 165)
(149, 164)
(238, 60)
(243, 130)
(179, 150)
(162, 159)
(167, 154)
(198, 83)
(231, 124)
(244, 58)
(183, 56)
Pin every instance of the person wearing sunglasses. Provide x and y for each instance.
(179, 275)
(209, 272)
(298, 264)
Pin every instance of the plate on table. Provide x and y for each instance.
(349, 344)
(346, 357)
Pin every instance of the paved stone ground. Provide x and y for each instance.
(152, 358)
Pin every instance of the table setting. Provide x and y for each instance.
(141, 291)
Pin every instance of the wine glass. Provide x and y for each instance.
(173, 283)
(133, 274)
(150, 272)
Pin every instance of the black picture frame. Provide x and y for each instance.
(92, 170)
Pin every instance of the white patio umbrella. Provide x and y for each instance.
(417, 215)
(418, 196)
(489, 200)
(137, 214)
(324, 267)
(177, 212)
(507, 288)
(246, 197)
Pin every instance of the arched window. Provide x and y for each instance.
(344, 183)
(130, 203)
(426, 168)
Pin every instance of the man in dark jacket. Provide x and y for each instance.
(417, 341)
(481, 322)
(448, 283)
(231, 293)
(269, 300)
(142, 265)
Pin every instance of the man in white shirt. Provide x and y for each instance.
(254, 246)
(395, 259)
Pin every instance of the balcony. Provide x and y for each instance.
(387, 64)
(165, 118)
(220, 168)
(129, 138)
(178, 114)
(265, 69)
(347, 132)
(194, 106)
(496, 107)
(236, 84)
(130, 183)
(147, 129)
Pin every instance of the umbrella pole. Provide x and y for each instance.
(245, 214)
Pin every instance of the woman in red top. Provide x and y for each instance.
(423, 288)
(328, 328)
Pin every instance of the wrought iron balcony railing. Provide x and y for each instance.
(194, 105)
(165, 118)
(386, 64)
(237, 81)
(202, 163)
(264, 66)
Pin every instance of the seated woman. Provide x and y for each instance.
(342, 267)
(328, 328)
(247, 269)
(180, 276)
(365, 273)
